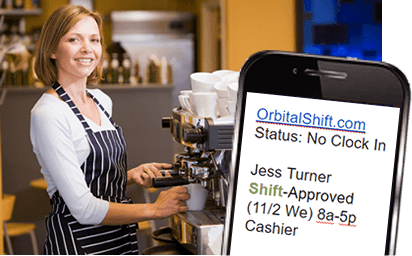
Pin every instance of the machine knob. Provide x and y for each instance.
(166, 122)
(192, 135)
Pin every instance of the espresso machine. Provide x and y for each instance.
(206, 160)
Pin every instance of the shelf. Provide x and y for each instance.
(102, 87)
(21, 12)
(128, 86)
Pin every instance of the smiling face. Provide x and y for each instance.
(79, 51)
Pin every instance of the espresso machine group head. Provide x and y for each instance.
(207, 153)
(206, 161)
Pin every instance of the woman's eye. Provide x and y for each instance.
(73, 40)
(95, 40)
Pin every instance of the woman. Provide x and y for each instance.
(81, 150)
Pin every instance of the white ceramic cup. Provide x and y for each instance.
(231, 107)
(222, 73)
(198, 196)
(233, 88)
(203, 81)
(227, 120)
(221, 105)
(232, 77)
(221, 89)
(205, 104)
(186, 92)
(185, 103)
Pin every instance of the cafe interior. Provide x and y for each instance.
(156, 44)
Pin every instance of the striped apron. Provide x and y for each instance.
(105, 175)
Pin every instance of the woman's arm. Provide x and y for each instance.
(168, 203)
(56, 134)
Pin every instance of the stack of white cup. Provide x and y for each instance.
(213, 94)
(227, 92)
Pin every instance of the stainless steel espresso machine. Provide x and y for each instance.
(206, 160)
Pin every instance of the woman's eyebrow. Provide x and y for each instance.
(80, 34)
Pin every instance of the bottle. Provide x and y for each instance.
(23, 35)
(8, 77)
(117, 48)
(127, 66)
(5, 35)
(17, 77)
(14, 76)
(34, 3)
(114, 66)
(25, 73)
(137, 76)
(153, 70)
(31, 76)
(169, 74)
(121, 77)
(4, 38)
(14, 30)
(163, 71)
(18, 4)
(8, 4)
(28, 5)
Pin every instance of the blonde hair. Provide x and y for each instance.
(55, 27)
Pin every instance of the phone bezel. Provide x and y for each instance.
(400, 98)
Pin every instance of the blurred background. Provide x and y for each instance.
(341, 28)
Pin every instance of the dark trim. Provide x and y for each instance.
(299, 25)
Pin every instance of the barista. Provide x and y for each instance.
(81, 149)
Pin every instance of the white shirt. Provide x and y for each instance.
(60, 144)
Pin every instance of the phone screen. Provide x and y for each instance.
(314, 176)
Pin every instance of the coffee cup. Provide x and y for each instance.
(221, 104)
(203, 81)
(227, 120)
(234, 77)
(205, 104)
(231, 107)
(221, 89)
(185, 103)
(185, 92)
(198, 196)
(222, 73)
(233, 88)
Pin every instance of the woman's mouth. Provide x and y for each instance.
(84, 60)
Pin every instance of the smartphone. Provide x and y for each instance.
(317, 158)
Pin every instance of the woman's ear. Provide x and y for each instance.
(53, 56)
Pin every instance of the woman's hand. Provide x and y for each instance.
(144, 173)
(171, 201)
(168, 202)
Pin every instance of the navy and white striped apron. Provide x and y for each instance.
(105, 175)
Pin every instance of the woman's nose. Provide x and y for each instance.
(86, 47)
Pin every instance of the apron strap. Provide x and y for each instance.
(66, 98)
(102, 108)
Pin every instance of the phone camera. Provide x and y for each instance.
(295, 71)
